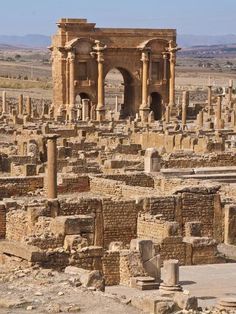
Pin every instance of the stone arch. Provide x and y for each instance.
(128, 93)
(156, 105)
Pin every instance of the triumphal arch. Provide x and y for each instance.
(83, 54)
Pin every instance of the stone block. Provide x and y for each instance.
(193, 229)
(69, 225)
(145, 247)
(153, 267)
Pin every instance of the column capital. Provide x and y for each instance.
(51, 136)
(144, 56)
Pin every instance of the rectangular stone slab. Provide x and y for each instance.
(28, 252)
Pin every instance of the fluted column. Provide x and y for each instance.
(144, 108)
(99, 55)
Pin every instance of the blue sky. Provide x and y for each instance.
(210, 17)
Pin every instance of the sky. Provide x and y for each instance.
(198, 17)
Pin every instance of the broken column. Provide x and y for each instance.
(218, 121)
(28, 106)
(4, 102)
(20, 104)
(152, 160)
(200, 119)
(209, 98)
(52, 166)
(170, 282)
(85, 109)
(230, 91)
(167, 114)
(185, 103)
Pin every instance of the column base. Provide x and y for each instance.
(72, 113)
(169, 289)
(144, 112)
(100, 114)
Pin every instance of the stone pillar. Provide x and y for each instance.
(230, 91)
(144, 108)
(52, 166)
(209, 99)
(200, 119)
(72, 78)
(172, 49)
(20, 105)
(171, 276)
(233, 119)
(28, 106)
(98, 52)
(167, 114)
(165, 66)
(117, 105)
(185, 103)
(218, 112)
(85, 109)
(4, 102)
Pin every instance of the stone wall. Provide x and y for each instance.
(120, 221)
(2, 221)
(111, 267)
(19, 186)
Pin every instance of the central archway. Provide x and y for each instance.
(119, 87)
(156, 105)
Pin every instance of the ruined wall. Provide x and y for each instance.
(19, 186)
(2, 221)
(111, 267)
(120, 221)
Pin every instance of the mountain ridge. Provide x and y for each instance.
(184, 40)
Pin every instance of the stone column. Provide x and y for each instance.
(218, 112)
(172, 49)
(52, 166)
(85, 109)
(171, 276)
(185, 103)
(72, 78)
(28, 106)
(98, 52)
(200, 119)
(4, 102)
(209, 99)
(144, 108)
(20, 105)
(67, 80)
(230, 91)
(165, 66)
(167, 114)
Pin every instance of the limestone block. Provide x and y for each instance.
(116, 246)
(185, 302)
(145, 247)
(230, 225)
(171, 229)
(68, 225)
(153, 267)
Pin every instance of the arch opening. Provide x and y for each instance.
(156, 105)
(119, 93)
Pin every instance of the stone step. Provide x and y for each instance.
(147, 285)
(145, 279)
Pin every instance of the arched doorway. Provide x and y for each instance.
(156, 105)
(78, 102)
(119, 93)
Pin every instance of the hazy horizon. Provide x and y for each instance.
(206, 17)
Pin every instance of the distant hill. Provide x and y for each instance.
(205, 40)
(43, 41)
(27, 41)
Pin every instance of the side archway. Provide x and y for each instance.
(156, 105)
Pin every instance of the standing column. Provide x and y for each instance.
(185, 104)
(4, 102)
(218, 112)
(52, 166)
(28, 106)
(98, 52)
(20, 105)
(209, 98)
(200, 119)
(172, 49)
(72, 78)
(165, 66)
(67, 80)
(144, 108)
(167, 114)
(230, 91)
